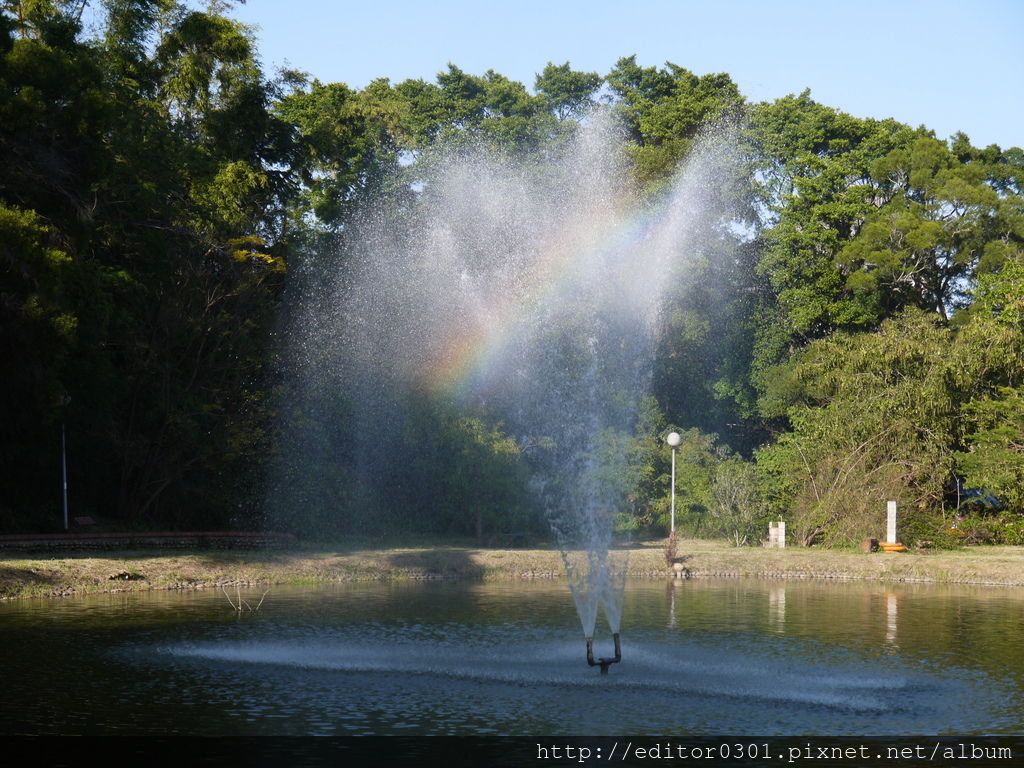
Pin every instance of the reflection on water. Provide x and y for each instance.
(777, 608)
(699, 657)
(891, 616)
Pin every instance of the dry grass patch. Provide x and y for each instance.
(26, 576)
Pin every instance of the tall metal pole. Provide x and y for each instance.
(64, 471)
(673, 439)
(673, 491)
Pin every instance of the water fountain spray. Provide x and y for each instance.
(527, 293)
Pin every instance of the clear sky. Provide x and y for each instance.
(949, 64)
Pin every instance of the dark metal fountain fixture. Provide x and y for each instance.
(603, 662)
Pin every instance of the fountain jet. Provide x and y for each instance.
(604, 663)
(518, 297)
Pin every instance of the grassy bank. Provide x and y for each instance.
(57, 576)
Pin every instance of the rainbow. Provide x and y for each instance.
(569, 260)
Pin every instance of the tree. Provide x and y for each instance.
(346, 141)
(567, 93)
(486, 475)
(462, 108)
(814, 166)
(735, 502)
(924, 241)
(995, 459)
(870, 217)
(665, 110)
(144, 207)
(988, 362)
(873, 419)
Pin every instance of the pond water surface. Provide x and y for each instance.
(441, 658)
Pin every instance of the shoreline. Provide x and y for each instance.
(25, 575)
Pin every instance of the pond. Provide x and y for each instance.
(700, 657)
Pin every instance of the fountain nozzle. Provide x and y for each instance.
(604, 663)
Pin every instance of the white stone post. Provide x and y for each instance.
(890, 527)
(777, 534)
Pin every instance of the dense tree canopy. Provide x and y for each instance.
(141, 196)
(849, 329)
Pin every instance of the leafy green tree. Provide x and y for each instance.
(735, 502)
(995, 461)
(665, 110)
(872, 419)
(346, 141)
(869, 217)
(567, 93)
(149, 187)
(934, 217)
(486, 474)
(34, 316)
(702, 365)
(988, 363)
(816, 194)
(860, 297)
(696, 462)
(462, 108)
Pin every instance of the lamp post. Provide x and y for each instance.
(673, 439)
(64, 400)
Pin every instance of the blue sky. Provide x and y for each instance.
(949, 65)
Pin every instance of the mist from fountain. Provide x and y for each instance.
(528, 291)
